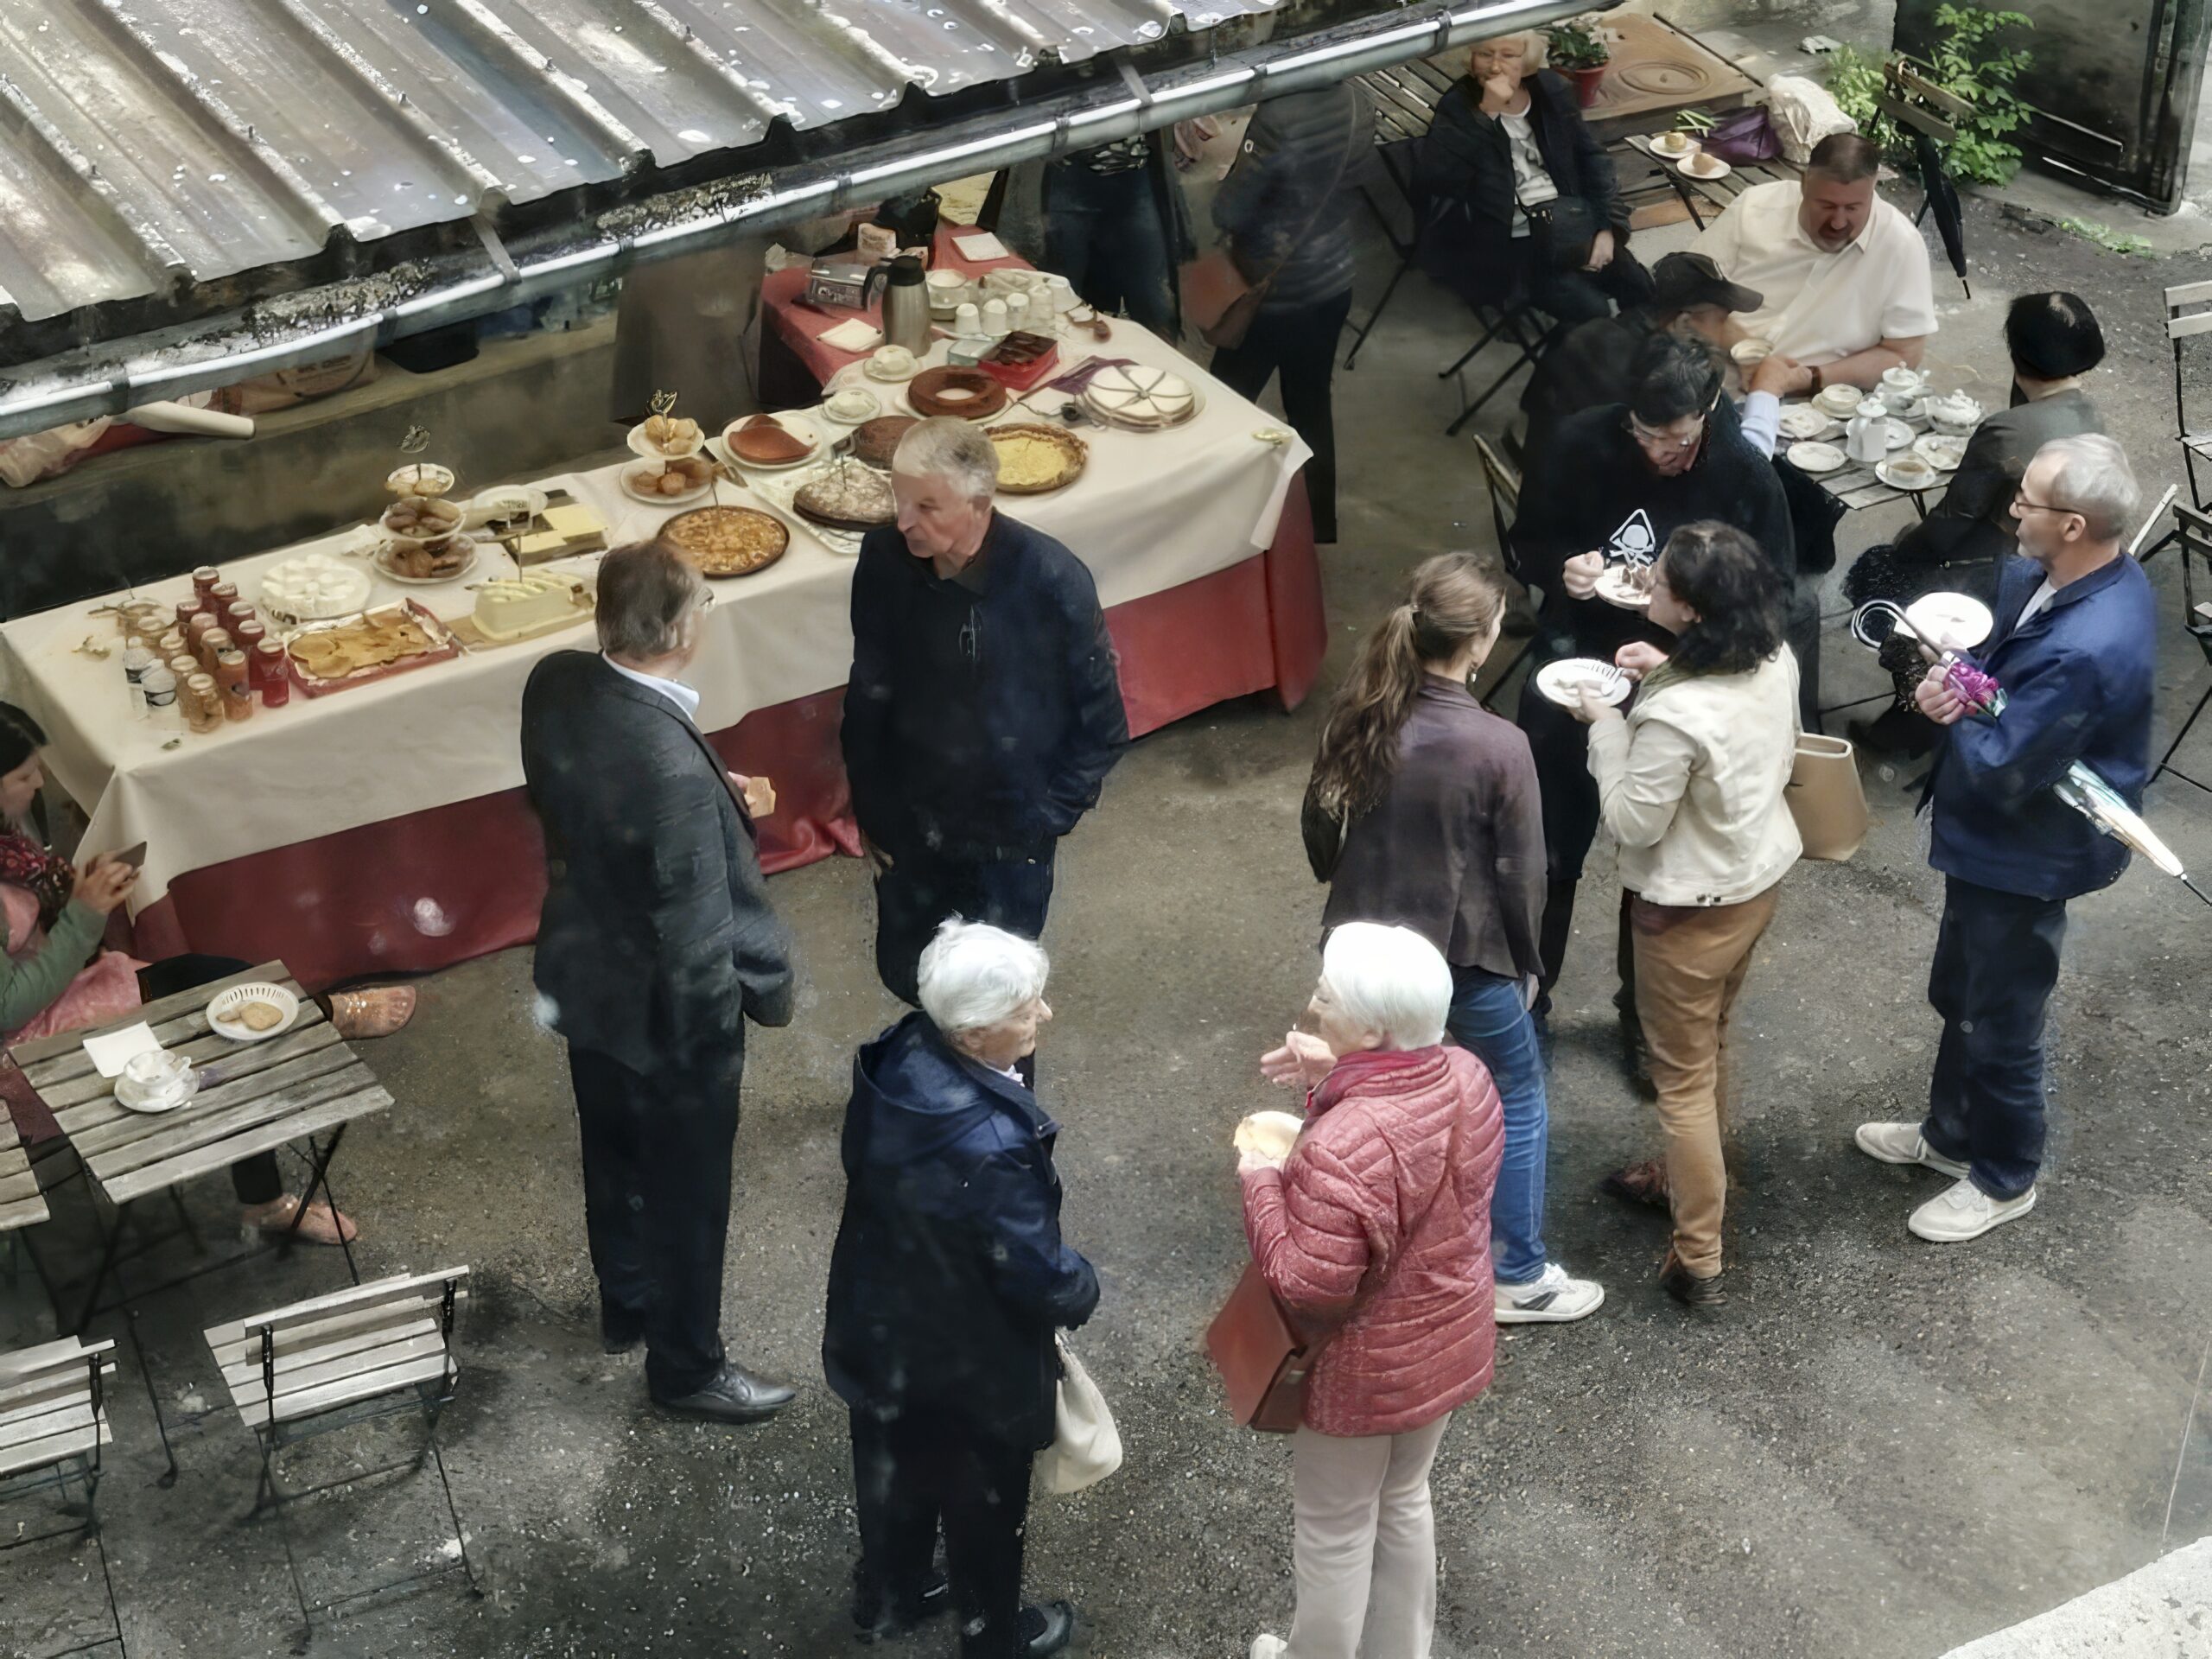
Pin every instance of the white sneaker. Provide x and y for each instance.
(1269, 1647)
(1902, 1143)
(1552, 1297)
(1965, 1211)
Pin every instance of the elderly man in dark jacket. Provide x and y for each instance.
(656, 945)
(946, 1283)
(2074, 648)
(1518, 198)
(983, 711)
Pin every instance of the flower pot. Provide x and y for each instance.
(1586, 83)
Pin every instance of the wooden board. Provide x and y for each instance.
(22, 1202)
(332, 1351)
(253, 1097)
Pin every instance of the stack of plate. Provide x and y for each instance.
(1140, 398)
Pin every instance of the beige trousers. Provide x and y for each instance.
(1366, 1548)
(1690, 964)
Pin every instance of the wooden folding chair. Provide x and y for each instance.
(2189, 316)
(2193, 535)
(1504, 484)
(53, 1427)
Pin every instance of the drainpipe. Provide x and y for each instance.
(172, 370)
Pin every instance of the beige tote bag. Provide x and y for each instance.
(1086, 1445)
(1826, 798)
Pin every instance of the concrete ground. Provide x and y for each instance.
(1878, 1448)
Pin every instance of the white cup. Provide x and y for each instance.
(994, 317)
(967, 320)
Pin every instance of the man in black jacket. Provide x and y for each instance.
(983, 711)
(656, 945)
(1614, 484)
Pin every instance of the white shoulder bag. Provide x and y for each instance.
(1086, 1445)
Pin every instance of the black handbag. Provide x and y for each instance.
(1564, 229)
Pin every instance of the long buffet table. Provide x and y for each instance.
(382, 828)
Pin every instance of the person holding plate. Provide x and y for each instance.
(1690, 784)
(1616, 483)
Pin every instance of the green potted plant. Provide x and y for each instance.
(1578, 51)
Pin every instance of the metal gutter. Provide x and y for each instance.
(322, 323)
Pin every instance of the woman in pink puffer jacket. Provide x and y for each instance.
(1377, 1229)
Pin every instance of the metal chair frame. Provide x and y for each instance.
(1504, 487)
(2189, 315)
(81, 1468)
(2193, 532)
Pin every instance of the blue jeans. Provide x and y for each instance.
(1103, 231)
(1996, 964)
(1488, 1019)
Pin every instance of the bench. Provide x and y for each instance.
(356, 1354)
(52, 1428)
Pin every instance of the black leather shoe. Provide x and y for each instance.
(1045, 1627)
(619, 1332)
(1687, 1288)
(732, 1395)
(878, 1616)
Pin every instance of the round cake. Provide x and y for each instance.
(847, 496)
(1137, 394)
(1033, 459)
(727, 541)
(766, 441)
(969, 393)
(876, 442)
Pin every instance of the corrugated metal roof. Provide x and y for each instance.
(150, 147)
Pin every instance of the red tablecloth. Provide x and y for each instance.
(413, 894)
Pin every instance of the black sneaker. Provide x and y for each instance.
(1679, 1282)
(878, 1616)
(1045, 1627)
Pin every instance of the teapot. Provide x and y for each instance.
(1866, 437)
(905, 302)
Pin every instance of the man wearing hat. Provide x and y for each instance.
(2054, 342)
(1595, 363)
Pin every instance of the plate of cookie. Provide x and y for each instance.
(329, 657)
(252, 1014)
(724, 542)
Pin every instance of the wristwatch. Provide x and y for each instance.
(1819, 380)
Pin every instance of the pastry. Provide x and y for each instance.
(845, 496)
(422, 516)
(312, 587)
(671, 436)
(428, 561)
(727, 541)
(766, 441)
(375, 639)
(889, 363)
(1035, 458)
(1021, 346)
(853, 406)
(418, 478)
(514, 605)
(258, 1016)
(969, 393)
(1136, 395)
(876, 442)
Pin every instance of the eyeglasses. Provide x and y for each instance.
(1664, 441)
(2021, 503)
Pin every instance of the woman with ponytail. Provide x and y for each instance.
(1422, 811)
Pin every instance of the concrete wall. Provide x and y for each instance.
(523, 407)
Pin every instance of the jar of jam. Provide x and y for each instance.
(213, 643)
(170, 645)
(196, 631)
(204, 580)
(230, 679)
(205, 711)
(225, 594)
(247, 634)
(188, 608)
(272, 673)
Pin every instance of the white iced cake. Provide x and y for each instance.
(1137, 394)
(516, 605)
(312, 588)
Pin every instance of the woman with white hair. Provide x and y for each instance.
(947, 1281)
(1374, 1236)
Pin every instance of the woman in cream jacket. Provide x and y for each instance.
(1690, 784)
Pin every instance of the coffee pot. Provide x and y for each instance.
(905, 302)
(1866, 437)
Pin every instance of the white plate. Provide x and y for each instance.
(478, 512)
(1899, 435)
(646, 450)
(1613, 589)
(128, 1097)
(1272, 1134)
(874, 408)
(1197, 408)
(638, 469)
(1672, 146)
(1802, 422)
(1887, 472)
(1720, 169)
(237, 997)
(1816, 458)
(1940, 450)
(1953, 619)
(385, 570)
(868, 368)
(1839, 401)
(1554, 679)
(798, 428)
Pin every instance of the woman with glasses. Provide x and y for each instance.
(1615, 483)
(1690, 784)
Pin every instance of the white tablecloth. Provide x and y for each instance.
(1152, 511)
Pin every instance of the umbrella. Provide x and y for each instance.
(1942, 199)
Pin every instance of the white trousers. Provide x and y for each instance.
(1366, 1547)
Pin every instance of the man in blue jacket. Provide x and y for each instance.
(2074, 649)
(983, 711)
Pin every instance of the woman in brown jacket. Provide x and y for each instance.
(1422, 811)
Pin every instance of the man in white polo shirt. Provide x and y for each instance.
(1845, 274)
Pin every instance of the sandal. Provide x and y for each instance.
(320, 1225)
(376, 1013)
(1643, 1183)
